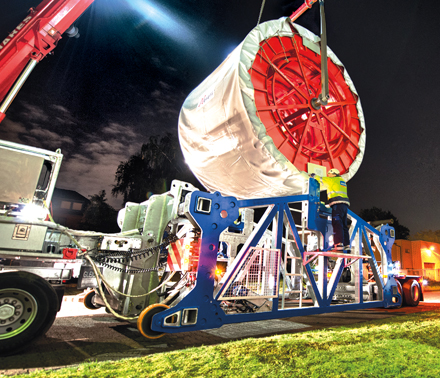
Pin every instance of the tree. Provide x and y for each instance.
(427, 235)
(376, 214)
(152, 169)
(99, 215)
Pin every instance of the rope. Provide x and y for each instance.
(261, 11)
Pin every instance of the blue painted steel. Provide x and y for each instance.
(223, 211)
(318, 214)
(222, 214)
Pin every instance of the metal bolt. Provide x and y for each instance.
(18, 307)
(14, 302)
(6, 301)
(11, 319)
(17, 313)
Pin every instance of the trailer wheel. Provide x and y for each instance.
(89, 301)
(28, 307)
(145, 318)
(412, 293)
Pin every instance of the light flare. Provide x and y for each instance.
(32, 211)
(162, 19)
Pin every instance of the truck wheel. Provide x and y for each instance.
(28, 307)
(145, 318)
(412, 293)
(89, 301)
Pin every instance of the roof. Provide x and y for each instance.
(69, 195)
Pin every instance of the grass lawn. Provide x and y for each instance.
(403, 346)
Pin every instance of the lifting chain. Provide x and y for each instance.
(132, 270)
(106, 259)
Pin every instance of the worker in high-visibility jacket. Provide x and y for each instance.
(339, 202)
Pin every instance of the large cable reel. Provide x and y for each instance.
(252, 126)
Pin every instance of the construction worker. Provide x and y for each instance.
(338, 200)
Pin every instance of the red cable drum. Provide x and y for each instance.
(250, 129)
(286, 76)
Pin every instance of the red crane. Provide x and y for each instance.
(38, 34)
(35, 37)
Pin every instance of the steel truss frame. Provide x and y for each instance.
(202, 307)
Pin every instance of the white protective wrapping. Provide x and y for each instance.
(222, 138)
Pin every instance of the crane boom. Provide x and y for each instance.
(35, 37)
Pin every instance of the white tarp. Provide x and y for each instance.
(222, 138)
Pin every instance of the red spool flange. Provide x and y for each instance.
(286, 75)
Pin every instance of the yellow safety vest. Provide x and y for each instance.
(336, 187)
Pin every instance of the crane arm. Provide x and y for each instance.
(307, 5)
(35, 37)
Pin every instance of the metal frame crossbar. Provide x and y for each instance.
(345, 256)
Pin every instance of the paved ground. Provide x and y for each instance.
(98, 336)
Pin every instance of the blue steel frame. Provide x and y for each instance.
(213, 213)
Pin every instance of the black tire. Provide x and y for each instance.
(28, 307)
(412, 293)
(89, 302)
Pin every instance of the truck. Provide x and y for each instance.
(184, 260)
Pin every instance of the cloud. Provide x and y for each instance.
(93, 169)
(63, 115)
(166, 102)
(37, 137)
(33, 113)
(89, 175)
(159, 64)
(53, 114)
(117, 129)
(104, 147)
(93, 165)
(60, 108)
(51, 139)
(11, 131)
(166, 86)
(156, 93)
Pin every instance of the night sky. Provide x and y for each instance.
(99, 97)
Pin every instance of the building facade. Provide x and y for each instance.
(418, 258)
(68, 207)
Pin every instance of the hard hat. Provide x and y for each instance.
(334, 171)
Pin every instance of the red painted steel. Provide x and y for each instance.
(307, 5)
(286, 76)
(36, 36)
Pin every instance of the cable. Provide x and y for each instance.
(99, 275)
(261, 11)
(101, 292)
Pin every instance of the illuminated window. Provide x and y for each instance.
(65, 205)
(77, 206)
(406, 250)
(428, 265)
